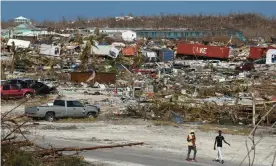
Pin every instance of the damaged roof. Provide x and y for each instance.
(26, 26)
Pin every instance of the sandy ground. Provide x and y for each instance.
(168, 139)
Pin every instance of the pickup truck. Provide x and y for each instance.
(15, 91)
(62, 109)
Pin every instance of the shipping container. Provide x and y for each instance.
(203, 50)
(258, 52)
(100, 77)
(218, 52)
(166, 55)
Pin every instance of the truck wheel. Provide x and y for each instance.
(28, 95)
(92, 114)
(50, 116)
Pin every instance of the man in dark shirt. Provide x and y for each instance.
(218, 141)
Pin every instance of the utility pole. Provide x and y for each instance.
(253, 105)
(253, 109)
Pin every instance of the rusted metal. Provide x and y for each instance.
(103, 78)
(203, 50)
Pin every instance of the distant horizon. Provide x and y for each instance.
(71, 10)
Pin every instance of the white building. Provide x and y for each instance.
(271, 56)
(21, 19)
(129, 36)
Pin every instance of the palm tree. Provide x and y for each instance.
(138, 60)
(84, 57)
(13, 58)
(86, 52)
(3, 75)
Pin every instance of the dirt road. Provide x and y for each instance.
(134, 156)
(163, 143)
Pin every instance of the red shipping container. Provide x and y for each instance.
(218, 52)
(192, 49)
(129, 51)
(203, 50)
(258, 52)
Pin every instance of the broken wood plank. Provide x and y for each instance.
(55, 150)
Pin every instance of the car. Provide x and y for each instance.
(62, 109)
(246, 66)
(50, 82)
(19, 82)
(16, 91)
(42, 89)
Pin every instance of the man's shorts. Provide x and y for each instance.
(191, 147)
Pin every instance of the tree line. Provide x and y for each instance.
(251, 24)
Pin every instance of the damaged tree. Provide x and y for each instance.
(18, 149)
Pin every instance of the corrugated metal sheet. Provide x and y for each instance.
(103, 78)
(129, 51)
(203, 50)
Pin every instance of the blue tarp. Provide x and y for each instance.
(176, 118)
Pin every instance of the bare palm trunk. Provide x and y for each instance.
(3, 76)
(13, 58)
(12, 64)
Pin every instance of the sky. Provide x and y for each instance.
(55, 10)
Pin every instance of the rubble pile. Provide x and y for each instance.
(239, 54)
(144, 77)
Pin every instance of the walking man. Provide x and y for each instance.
(191, 145)
(218, 141)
